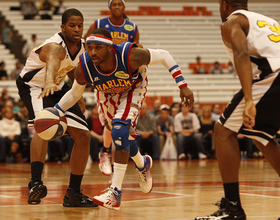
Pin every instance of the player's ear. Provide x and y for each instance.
(224, 5)
(62, 26)
(110, 47)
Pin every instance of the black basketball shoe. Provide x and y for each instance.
(37, 191)
(228, 211)
(74, 198)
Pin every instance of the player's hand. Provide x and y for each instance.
(249, 114)
(49, 89)
(186, 96)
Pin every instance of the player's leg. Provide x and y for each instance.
(272, 153)
(38, 146)
(105, 153)
(38, 152)
(112, 198)
(228, 155)
(143, 165)
(79, 157)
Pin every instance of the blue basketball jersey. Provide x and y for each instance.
(120, 33)
(117, 81)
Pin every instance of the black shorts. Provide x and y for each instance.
(266, 96)
(29, 95)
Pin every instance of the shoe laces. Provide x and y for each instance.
(143, 175)
(109, 191)
(79, 193)
(223, 205)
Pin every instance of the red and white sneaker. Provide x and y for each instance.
(105, 163)
(110, 199)
(144, 175)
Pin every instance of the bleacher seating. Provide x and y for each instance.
(185, 37)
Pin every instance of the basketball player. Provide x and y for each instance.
(119, 74)
(252, 42)
(122, 30)
(44, 73)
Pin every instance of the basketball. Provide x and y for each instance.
(50, 124)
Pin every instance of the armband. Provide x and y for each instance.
(177, 75)
(164, 57)
(59, 108)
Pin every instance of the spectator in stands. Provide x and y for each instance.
(207, 130)
(216, 111)
(45, 9)
(9, 137)
(29, 45)
(165, 125)
(217, 68)
(3, 72)
(4, 97)
(15, 73)
(189, 140)
(200, 68)
(60, 8)
(96, 131)
(29, 9)
(6, 35)
(230, 68)
(196, 109)
(155, 110)
(148, 142)
(174, 110)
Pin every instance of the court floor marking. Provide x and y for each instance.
(257, 195)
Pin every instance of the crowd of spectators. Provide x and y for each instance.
(45, 10)
(211, 68)
(191, 131)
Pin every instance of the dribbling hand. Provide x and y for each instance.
(186, 96)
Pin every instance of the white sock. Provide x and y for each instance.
(119, 172)
(139, 160)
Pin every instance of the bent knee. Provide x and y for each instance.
(82, 136)
(120, 136)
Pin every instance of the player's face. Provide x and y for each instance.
(73, 29)
(117, 8)
(98, 52)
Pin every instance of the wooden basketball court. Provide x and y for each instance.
(182, 190)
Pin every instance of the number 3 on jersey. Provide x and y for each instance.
(275, 29)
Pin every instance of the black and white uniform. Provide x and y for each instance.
(264, 49)
(31, 82)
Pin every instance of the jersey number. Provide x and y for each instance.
(275, 29)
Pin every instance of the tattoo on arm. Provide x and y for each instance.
(58, 51)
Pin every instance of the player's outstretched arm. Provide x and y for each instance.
(52, 54)
(139, 57)
(75, 93)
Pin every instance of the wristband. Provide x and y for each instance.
(58, 107)
(177, 75)
(181, 82)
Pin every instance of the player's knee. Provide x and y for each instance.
(120, 135)
(81, 137)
